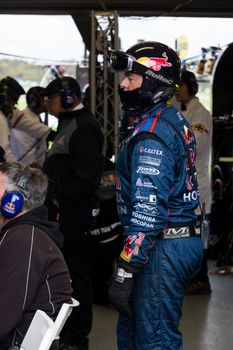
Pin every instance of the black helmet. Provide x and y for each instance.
(157, 63)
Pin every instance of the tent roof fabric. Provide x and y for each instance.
(187, 8)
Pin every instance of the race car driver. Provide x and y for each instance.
(156, 196)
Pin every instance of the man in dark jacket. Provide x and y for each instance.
(74, 167)
(33, 271)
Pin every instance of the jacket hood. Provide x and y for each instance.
(39, 218)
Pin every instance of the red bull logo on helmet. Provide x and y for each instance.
(155, 63)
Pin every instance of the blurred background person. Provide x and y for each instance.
(201, 121)
(6, 153)
(8, 99)
(74, 166)
(13, 118)
(27, 149)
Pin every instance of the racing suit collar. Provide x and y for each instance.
(153, 109)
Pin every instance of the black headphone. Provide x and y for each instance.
(192, 87)
(33, 97)
(12, 202)
(5, 99)
(67, 94)
(190, 80)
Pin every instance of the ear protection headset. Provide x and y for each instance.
(189, 79)
(4, 96)
(13, 201)
(34, 101)
(192, 87)
(67, 94)
(33, 97)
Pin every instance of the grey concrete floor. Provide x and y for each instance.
(207, 321)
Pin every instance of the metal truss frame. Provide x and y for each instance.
(103, 81)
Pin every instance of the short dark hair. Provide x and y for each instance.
(33, 96)
(60, 84)
(13, 89)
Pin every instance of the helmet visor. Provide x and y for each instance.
(120, 61)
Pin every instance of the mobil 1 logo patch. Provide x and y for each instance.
(147, 170)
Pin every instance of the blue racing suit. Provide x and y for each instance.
(157, 192)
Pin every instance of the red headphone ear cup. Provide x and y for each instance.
(11, 204)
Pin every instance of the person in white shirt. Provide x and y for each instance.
(11, 117)
(6, 106)
(27, 149)
(5, 138)
(201, 121)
